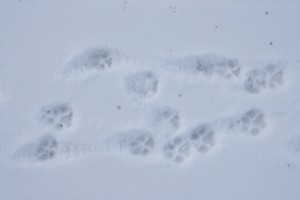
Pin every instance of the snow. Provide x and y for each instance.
(140, 99)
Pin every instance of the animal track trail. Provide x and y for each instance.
(203, 138)
(57, 115)
(259, 80)
(164, 121)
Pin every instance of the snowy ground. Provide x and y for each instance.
(140, 99)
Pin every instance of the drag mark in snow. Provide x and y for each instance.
(209, 65)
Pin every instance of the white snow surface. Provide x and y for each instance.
(149, 99)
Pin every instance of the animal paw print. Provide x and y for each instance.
(258, 80)
(177, 150)
(46, 148)
(142, 145)
(202, 138)
(138, 142)
(224, 67)
(166, 119)
(59, 115)
(252, 122)
(275, 76)
(142, 84)
(94, 58)
(92, 61)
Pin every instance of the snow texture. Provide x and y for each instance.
(160, 99)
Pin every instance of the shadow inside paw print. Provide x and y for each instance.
(142, 145)
(142, 84)
(202, 138)
(58, 115)
(94, 58)
(224, 67)
(171, 116)
(251, 122)
(46, 148)
(137, 142)
(177, 150)
(258, 80)
(165, 119)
